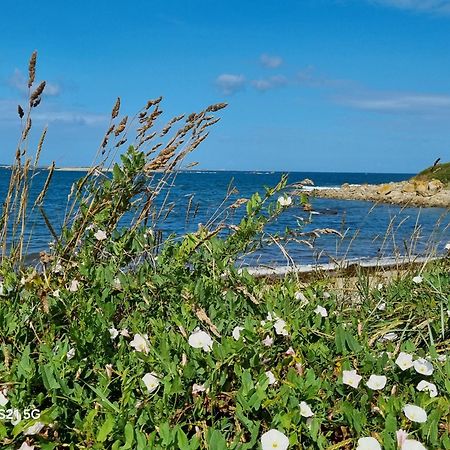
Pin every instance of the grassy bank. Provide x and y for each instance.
(439, 172)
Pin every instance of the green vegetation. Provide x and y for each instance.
(122, 342)
(439, 172)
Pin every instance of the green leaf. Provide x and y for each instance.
(106, 428)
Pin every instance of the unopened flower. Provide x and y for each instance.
(271, 377)
(415, 413)
(140, 343)
(427, 387)
(326, 295)
(321, 311)
(381, 306)
(274, 439)
(116, 284)
(201, 339)
(389, 337)
(100, 235)
(305, 410)
(3, 398)
(380, 286)
(151, 382)
(368, 443)
(401, 436)
(237, 332)
(442, 358)
(300, 296)
(404, 361)
(197, 388)
(70, 354)
(290, 352)
(417, 279)
(280, 327)
(423, 366)
(109, 370)
(74, 286)
(34, 429)
(351, 378)
(113, 332)
(285, 201)
(412, 444)
(56, 293)
(376, 382)
(26, 446)
(124, 332)
(268, 341)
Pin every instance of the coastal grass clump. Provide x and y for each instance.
(440, 171)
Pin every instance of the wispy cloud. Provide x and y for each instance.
(230, 83)
(430, 6)
(265, 84)
(271, 61)
(18, 81)
(397, 102)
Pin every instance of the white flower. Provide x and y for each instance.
(376, 382)
(417, 279)
(280, 327)
(415, 413)
(56, 293)
(113, 332)
(321, 311)
(268, 341)
(380, 286)
(401, 437)
(3, 398)
(70, 354)
(200, 339)
(25, 446)
(368, 443)
(197, 388)
(351, 378)
(116, 283)
(237, 332)
(427, 387)
(274, 439)
(1, 288)
(34, 429)
(404, 360)
(109, 370)
(271, 377)
(74, 286)
(326, 295)
(442, 358)
(285, 201)
(124, 332)
(382, 306)
(447, 246)
(305, 410)
(290, 352)
(423, 366)
(389, 337)
(140, 343)
(151, 381)
(100, 235)
(412, 444)
(301, 298)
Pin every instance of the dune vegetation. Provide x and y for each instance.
(117, 340)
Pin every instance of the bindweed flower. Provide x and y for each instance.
(74, 286)
(351, 378)
(271, 377)
(376, 382)
(268, 341)
(200, 339)
(368, 443)
(427, 387)
(124, 332)
(140, 343)
(423, 366)
(389, 337)
(100, 235)
(401, 436)
(70, 354)
(442, 358)
(417, 279)
(285, 201)
(113, 332)
(1, 288)
(109, 370)
(321, 311)
(326, 295)
(237, 333)
(3, 398)
(301, 298)
(305, 410)
(26, 446)
(412, 444)
(56, 293)
(197, 388)
(382, 306)
(116, 284)
(34, 429)
(280, 327)
(151, 382)
(290, 352)
(380, 286)
(274, 439)
(404, 361)
(415, 413)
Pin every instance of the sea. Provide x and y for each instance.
(353, 229)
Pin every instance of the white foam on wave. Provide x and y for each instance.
(321, 188)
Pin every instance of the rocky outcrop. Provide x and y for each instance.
(431, 193)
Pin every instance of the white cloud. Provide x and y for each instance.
(230, 83)
(416, 103)
(265, 84)
(271, 61)
(19, 82)
(431, 6)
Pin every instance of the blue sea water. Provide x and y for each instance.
(367, 230)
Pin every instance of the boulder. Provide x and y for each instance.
(384, 189)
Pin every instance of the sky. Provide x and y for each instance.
(311, 85)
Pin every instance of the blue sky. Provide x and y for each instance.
(312, 85)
